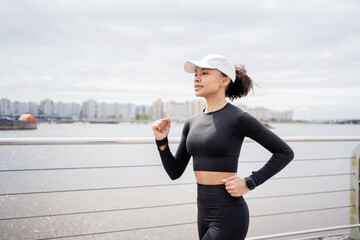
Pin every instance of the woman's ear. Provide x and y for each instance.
(225, 81)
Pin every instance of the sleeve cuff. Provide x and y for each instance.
(162, 142)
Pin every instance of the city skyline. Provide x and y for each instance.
(151, 104)
(302, 56)
(91, 109)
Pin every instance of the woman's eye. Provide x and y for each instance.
(203, 73)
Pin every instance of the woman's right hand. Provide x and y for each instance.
(161, 128)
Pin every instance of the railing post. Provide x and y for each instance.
(354, 195)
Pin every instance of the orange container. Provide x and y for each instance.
(28, 117)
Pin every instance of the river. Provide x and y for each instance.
(117, 223)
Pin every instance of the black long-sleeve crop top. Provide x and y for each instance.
(214, 140)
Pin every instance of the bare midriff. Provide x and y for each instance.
(212, 178)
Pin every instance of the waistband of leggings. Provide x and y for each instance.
(217, 196)
(204, 186)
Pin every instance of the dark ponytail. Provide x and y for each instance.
(241, 86)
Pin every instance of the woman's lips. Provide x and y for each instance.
(197, 87)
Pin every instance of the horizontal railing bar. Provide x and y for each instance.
(302, 211)
(78, 168)
(94, 189)
(145, 165)
(77, 141)
(326, 229)
(323, 159)
(177, 224)
(326, 236)
(151, 140)
(312, 176)
(116, 231)
(302, 160)
(299, 194)
(156, 185)
(95, 211)
(158, 206)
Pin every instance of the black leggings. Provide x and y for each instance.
(221, 216)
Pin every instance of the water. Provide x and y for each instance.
(21, 157)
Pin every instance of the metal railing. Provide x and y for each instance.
(353, 188)
(147, 140)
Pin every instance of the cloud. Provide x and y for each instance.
(133, 51)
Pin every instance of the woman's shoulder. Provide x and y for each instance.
(237, 113)
(240, 118)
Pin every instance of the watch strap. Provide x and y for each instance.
(250, 183)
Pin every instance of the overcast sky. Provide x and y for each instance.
(303, 55)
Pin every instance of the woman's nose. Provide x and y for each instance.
(196, 79)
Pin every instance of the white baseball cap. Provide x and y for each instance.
(213, 61)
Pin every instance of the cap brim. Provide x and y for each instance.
(189, 66)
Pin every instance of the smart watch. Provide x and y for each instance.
(250, 183)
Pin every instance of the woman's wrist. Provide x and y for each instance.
(161, 144)
(250, 183)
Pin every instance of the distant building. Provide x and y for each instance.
(5, 106)
(261, 113)
(195, 107)
(75, 109)
(33, 108)
(58, 108)
(119, 111)
(89, 109)
(46, 107)
(183, 110)
(158, 109)
(177, 111)
(67, 109)
(125, 111)
(20, 107)
(264, 114)
(143, 109)
(282, 115)
(106, 111)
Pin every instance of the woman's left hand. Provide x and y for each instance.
(236, 186)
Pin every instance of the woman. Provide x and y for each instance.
(214, 138)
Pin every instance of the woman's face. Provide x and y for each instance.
(208, 82)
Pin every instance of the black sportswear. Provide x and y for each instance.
(221, 216)
(214, 140)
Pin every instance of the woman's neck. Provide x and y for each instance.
(215, 104)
